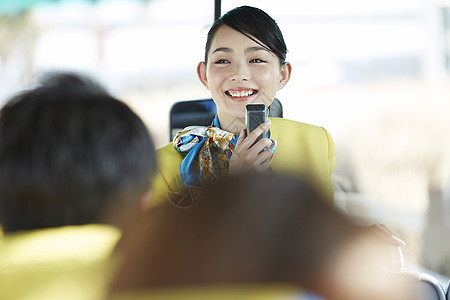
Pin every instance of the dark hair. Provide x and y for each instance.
(252, 228)
(256, 25)
(68, 151)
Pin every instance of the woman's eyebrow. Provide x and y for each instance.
(256, 48)
(247, 50)
(223, 49)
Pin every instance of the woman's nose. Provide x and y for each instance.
(240, 72)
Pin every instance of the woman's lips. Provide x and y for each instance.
(241, 95)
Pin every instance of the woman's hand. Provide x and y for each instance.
(247, 156)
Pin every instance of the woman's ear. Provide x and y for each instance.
(201, 73)
(285, 74)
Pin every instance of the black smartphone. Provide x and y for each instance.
(255, 115)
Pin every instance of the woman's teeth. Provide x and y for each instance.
(241, 93)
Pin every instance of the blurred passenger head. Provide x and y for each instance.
(258, 228)
(70, 154)
(256, 25)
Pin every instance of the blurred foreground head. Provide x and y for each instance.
(70, 154)
(258, 229)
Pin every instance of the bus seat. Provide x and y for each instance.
(422, 285)
(447, 294)
(201, 112)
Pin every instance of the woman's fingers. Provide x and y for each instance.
(264, 166)
(257, 157)
(264, 156)
(263, 145)
(249, 155)
(242, 136)
(252, 136)
(254, 151)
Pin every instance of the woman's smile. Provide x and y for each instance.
(241, 94)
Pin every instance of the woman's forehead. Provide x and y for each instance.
(229, 38)
(226, 34)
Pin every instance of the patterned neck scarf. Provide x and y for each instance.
(202, 144)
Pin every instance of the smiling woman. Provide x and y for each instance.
(244, 64)
(242, 72)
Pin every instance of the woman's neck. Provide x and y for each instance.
(231, 124)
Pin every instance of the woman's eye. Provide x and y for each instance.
(257, 60)
(221, 61)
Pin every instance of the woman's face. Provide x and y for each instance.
(239, 71)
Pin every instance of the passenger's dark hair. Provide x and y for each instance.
(68, 151)
(253, 228)
(256, 25)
